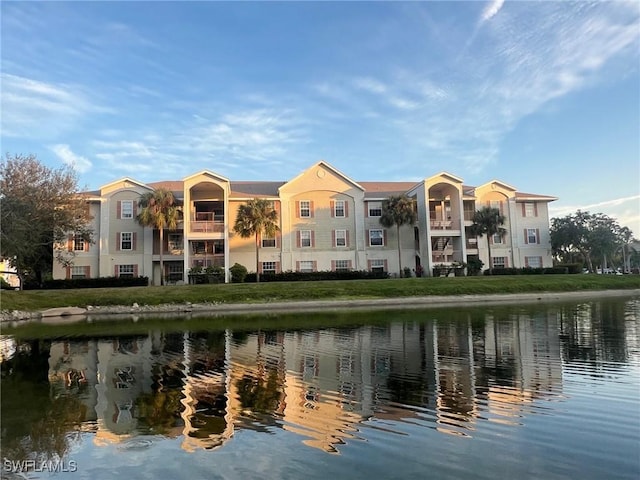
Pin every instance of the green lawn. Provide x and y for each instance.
(299, 291)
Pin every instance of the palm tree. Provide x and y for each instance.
(398, 211)
(254, 218)
(159, 209)
(488, 221)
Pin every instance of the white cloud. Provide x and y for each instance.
(491, 10)
(77, 162)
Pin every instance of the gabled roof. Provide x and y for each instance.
(128, 180)
(498, 183)
(325, 165)
(446, 175)
(208, 173)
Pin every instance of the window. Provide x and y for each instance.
(127, 209)
(268, 242)
(533, 262)
(78, 244)
(174, 242)
(305, 238)
(78, 272)
(497, 238)
(377, 265)
(306, 266)
(174, 271)
(341, 238)
(305, 208)
(499, 262)
(376, 238)
(529, 209)
(339, 208)
(375, 209)
(496, 204)
(342, 266)
(532, 236)
(268, 267)
(126, 241)
(125, 270)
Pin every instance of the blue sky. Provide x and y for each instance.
(544, 96)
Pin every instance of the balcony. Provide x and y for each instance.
(207, 222)
(445, 256)
(207, 261)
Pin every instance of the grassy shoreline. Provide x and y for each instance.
(35, 300)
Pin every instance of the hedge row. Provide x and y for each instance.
(100, 282)
(315, 276)
(527, 271)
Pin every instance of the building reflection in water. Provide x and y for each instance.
(452, 375)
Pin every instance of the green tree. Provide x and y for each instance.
(594, 237)
(488, 222)
(397, 211)
(159, 209)
(254, 218)
(39, 207)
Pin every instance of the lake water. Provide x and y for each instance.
(525, 392)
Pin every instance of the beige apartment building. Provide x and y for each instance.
(327, 222)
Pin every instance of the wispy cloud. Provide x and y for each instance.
(77, 162)
(36, 109)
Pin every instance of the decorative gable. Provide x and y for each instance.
(320, 176)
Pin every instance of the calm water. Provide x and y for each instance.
(498, 392)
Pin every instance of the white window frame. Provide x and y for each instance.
(126, 270)
(126, 209)
(376, 237)
(529, 209)
(536, 259)
(268, 242)
(339, 209)
(123, 241)
(305, 208)
(268, 267)
(78, 272)
(497, 239)
(532, 233)
(306, 266)
(305, 237)
(375, 209)
(342, 265)
(78, 244)
(499, 262)
(341, 238)
(377, 265)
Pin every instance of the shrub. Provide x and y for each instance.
(317, 276)
(238, 273)
(571, 267)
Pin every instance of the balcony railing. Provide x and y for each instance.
(205, 226)
(207, 261)
(445, 256)
(441, 224)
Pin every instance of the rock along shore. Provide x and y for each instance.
(77, 313)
